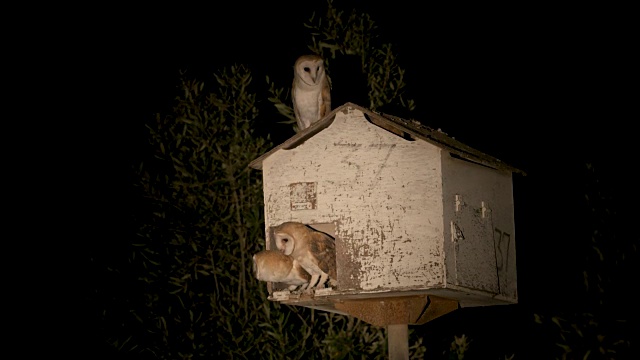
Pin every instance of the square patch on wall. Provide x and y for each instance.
(303, 196)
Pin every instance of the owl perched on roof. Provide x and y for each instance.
(311, 91)
(313, 250)
(274, 266)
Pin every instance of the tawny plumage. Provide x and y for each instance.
(274, 266)
(313, 250)
(311, 90)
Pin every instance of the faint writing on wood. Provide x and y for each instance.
(303, 196)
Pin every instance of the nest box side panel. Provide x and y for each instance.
(383, 192)
(479, 228)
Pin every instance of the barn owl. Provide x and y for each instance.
(311, 92)
(313, 250)
(273, 265)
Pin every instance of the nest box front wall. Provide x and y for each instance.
(378, 194)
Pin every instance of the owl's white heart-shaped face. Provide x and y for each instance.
(310, 71)
(285, 243)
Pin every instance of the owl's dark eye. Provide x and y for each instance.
(284, 240)
(306, 68)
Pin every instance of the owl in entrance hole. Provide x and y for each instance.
(311, 91)
(314, 250)
(274, 266)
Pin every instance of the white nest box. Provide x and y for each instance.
(419, 219)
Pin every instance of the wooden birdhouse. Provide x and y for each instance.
(422, 223)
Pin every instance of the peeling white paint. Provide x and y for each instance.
(394, 203)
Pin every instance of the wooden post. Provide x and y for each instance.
(398, 341)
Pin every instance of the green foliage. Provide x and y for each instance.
(353, 34)
(278, 97)
(339, 342)
(459, 347)
(585, 336)
(338, 34)
(203, 225)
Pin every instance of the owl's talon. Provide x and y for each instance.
(310, 291)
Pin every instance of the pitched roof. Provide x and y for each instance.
(408, 129)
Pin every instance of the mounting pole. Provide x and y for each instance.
(396, 313)
(398, 341)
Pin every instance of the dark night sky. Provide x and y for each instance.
(540, 88)
(498, 79)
